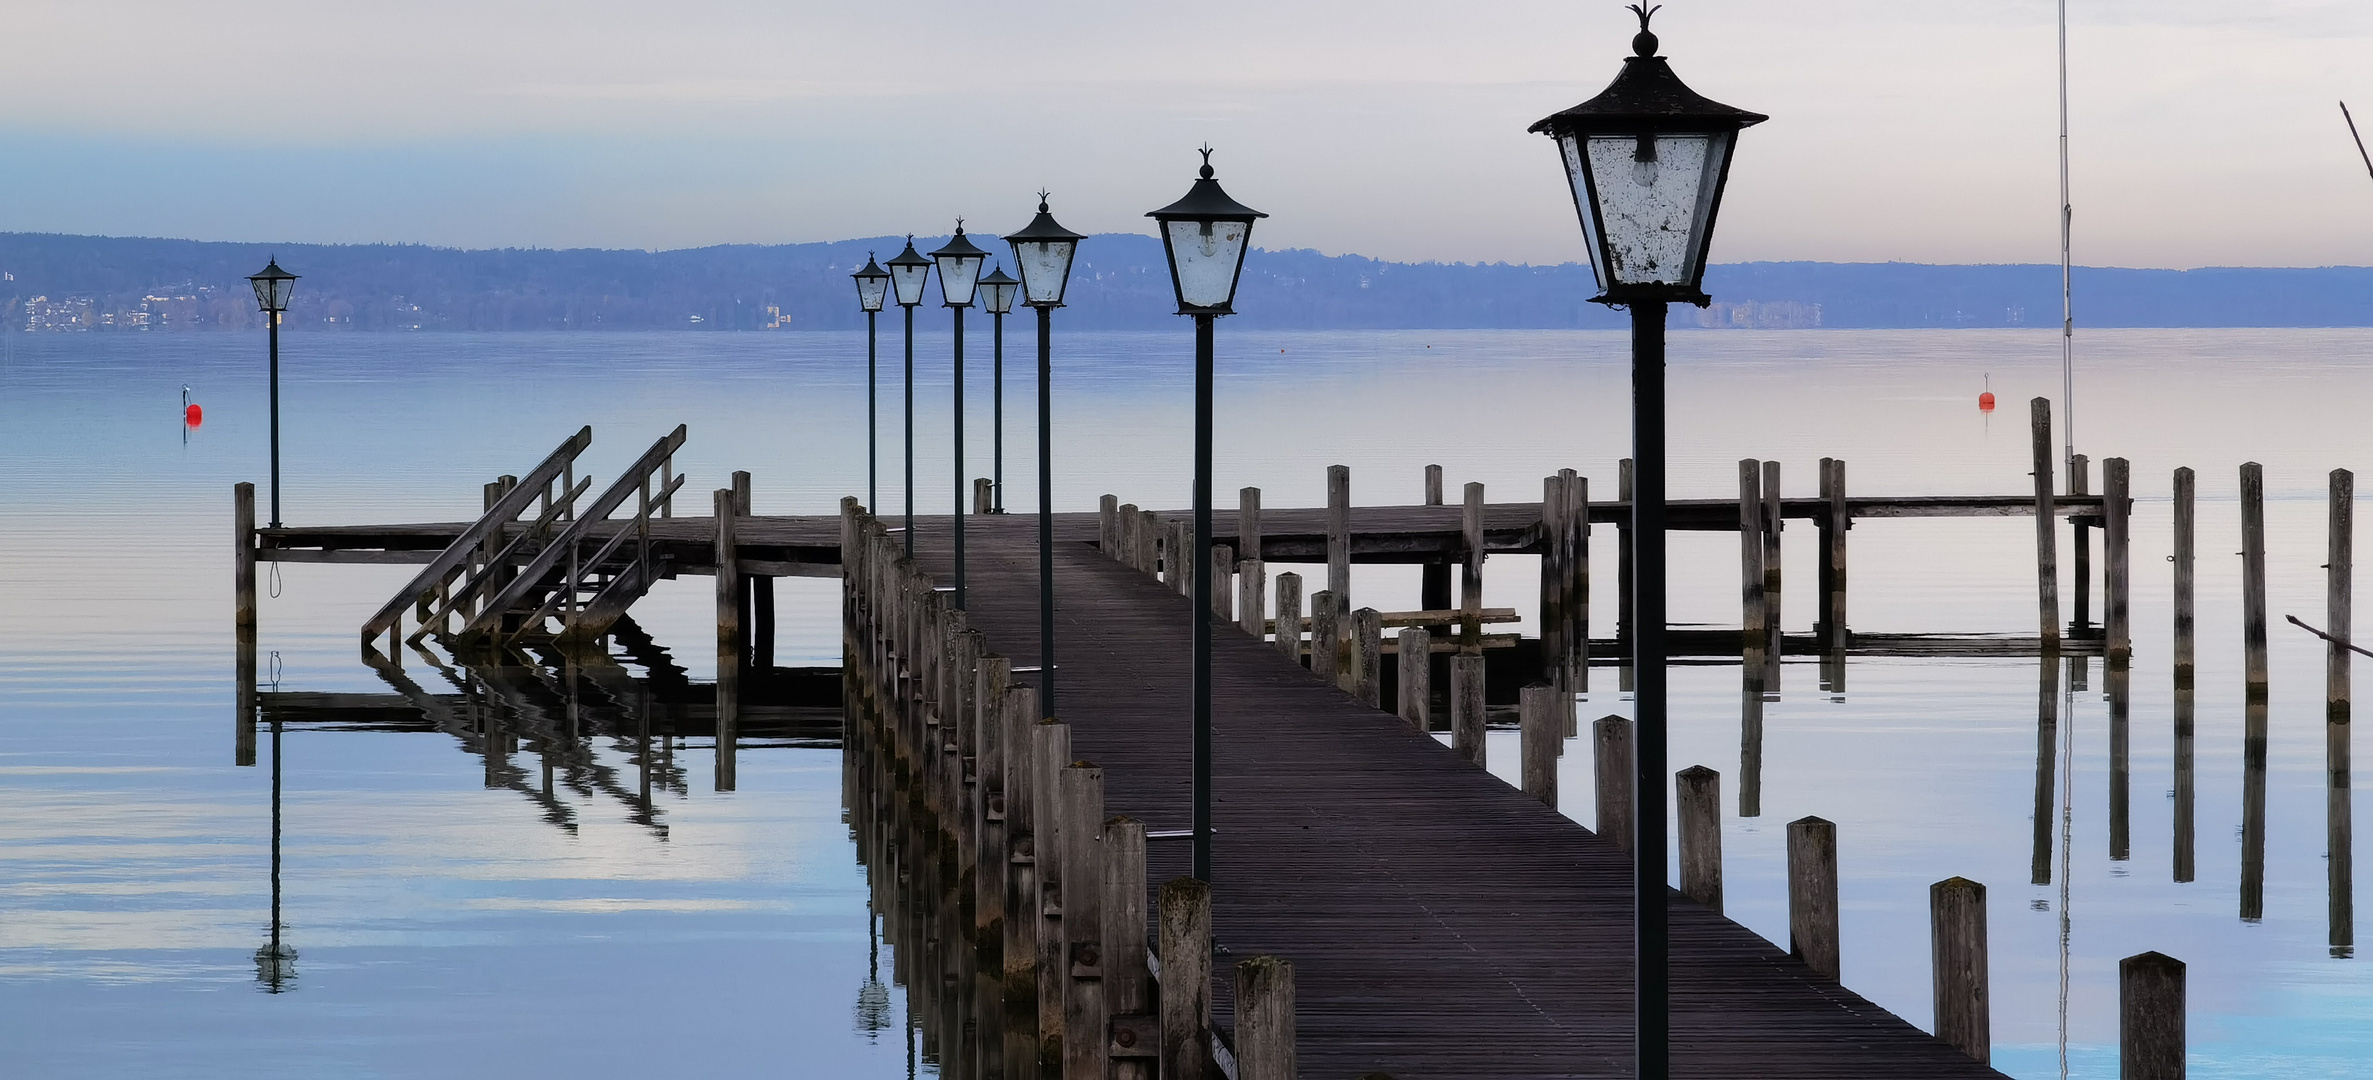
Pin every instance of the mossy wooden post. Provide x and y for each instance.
(1466, 707)
(1752, 609)
(1252, 596)
(1812, 895)
(1772, 524)
(243, 620)
(2253, 576)
(2339, 808)
(1248, 524)
(1957, 935)
(2117, 572)
(1084, 1008)
(2150, 1017)
(2185, 557)
(1024, 917)
(1108, 525)
(1339, 534)
(2080, 482)
(1134, 1044)
(1289, 615)
(1051, 750)
(729, 636)
(1223, 576)
(1611, 764)
(1433, 587)
(1184, 918)
(1542, 722)
(2047, 563)
(1417, 677)
(1323, 637)
(1265, 1020)
(1470, 596)
(1367, 654)
(1697, 793)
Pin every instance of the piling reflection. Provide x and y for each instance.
(2339, 833)
(2047, 742)
(2184, 801)
(1751, 734)
(2253, 806)
(2118, 678)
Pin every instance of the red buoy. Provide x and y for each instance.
(193, 415)
(1985, 402)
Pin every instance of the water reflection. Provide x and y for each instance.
(275, 961)
(2047, 743)
(2253, 805)
(2184, 778)
(2120, 679)
(1751, 668)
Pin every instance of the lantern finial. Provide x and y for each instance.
(1205, 150)
(1042, 194)
(1644, 42)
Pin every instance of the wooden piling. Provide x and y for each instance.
(1957, 934)
(1367, 652)
(1134, 1044)
(1752, 608)
(1772, 524)
(1248, 525)
(243, 607)
(1265, 1020)
(2080, 482)
(2047, 568)
(1551, 621)
(2339, 802)
(1433, 587)
(984, 497)
(1323, 637)
(1470, 636)
(1612, 765)
(2117, 573)
(1223, 577)
(1543, 729)
(1050, 751)
(1149, 539)
(1339, 534)
(1834, 557)
(2184, 558)
(2150, 1017)
(1084, 1006)
(1024, 906)
(1108, 524)
(1417, 677)
(1252, 596)
(1697, 794)
(991, 861)
(1812, 895)
(729, 636)
(1466, 706)
(1577, 589)
(1128, 525)
(1184, 918)
(1289, 615)
(2253, 576)
(1433, 485)
(2339, 592)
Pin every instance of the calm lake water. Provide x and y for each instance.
(446, 927)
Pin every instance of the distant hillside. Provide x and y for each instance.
(89, 283)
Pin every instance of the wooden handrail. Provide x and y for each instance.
(504, 511)
(629, 482)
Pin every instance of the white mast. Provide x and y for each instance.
(2067, 307)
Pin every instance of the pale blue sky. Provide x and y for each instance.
(2206, 133)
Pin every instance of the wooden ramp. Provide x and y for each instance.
(1442, 924)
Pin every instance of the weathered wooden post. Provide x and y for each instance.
(1433, 587)
(2339, 593)
(2080, 482)
(1367, 653)
(1323, 637)
(2339, 801)
(1577, 589)
(1543, 728)
(2047, 564)
(1149, 539)
(2184, 559)
(1184, 918)
(1134, 1044)
(243, 622)
(729, 636)
(1833, 596)
(1611, 764)
(1265, 1020)
(2116, 543)
(1417, 677)
(2253, 576)
(1752, 608)
(1108, 524)
(1698, 795)
(1084, 1006)
(1223, 576)
(1466, 706)
(1289, 615)
(1772, 524)
(1339, 534)
(983, 496)
(1248, 524)
(1252, 596)
(1050, 751)
(1957, 934)
(1553, 580)
(991, 857)
(1470, 598)
(2150, 1017)
(1812, 895)
(1129, 527)
(1025, 915)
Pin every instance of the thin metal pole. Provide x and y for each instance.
(910, 429)
(1200, 571)
(873, 503)
(997, 420)
(959, 457)
(2067, 301)
(1046, 516)
(274, 319)
(1653, 987)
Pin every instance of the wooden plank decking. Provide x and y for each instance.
(1442, 924)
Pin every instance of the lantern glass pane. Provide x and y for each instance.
(1578, 174)
(1655, 199)
(959, 278)
(1204, 257)
(263, 293)
(999, 298)
(910, 281)
(281, 290)
(1045, 266)
(871, 291)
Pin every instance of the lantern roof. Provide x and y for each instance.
(272, 272)
(872, 269)
(909, 257)
(1646, 95)
(959, 246)
(998, 276)
(1043, 228)
(1206, 202)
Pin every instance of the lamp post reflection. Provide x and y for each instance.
(275, 962)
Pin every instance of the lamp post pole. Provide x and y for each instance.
(1042, 253)
(272, 321)
(959, 284)
(1200, 571)
(997, 412)
(1653, 975)
(959, 440)
(872, 415)
(909, 273)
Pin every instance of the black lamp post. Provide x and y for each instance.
(272, 286)
(1205, 235)
(997, 292)
(873, 288)
(909, 272)
(1646, 160)
(1042, 251)
(959, 280)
